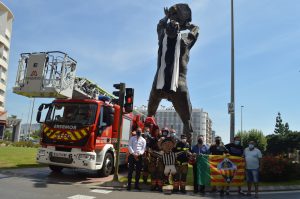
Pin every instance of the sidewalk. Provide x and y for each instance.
(146, 187)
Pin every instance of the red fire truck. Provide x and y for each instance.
(80, 127)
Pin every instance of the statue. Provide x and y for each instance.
(176, 36)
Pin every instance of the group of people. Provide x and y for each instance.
(162, 155)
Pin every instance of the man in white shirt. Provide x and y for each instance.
(252, 158)
(136, 147)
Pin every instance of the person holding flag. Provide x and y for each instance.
(218, 149)
(197, 150)
(235, 149)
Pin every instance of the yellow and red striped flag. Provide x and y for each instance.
(219, 170)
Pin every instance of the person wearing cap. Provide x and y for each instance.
(181, 165)
(136, 148)
(218, 149)
(197, 150)
(235, 149)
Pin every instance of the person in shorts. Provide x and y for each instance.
(252, 157)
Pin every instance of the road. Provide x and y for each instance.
(40, 183)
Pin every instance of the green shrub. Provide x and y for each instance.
(279, 169)
(25, 144)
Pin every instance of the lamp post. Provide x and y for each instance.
(232, 112)
(242, 118)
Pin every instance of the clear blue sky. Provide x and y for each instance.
(116, 41)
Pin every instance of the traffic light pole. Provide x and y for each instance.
(121, 104)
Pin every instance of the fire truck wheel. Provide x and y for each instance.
(55, 168)
(108, 165)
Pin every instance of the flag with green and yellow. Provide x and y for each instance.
(220, 170)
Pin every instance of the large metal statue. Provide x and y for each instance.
(176, 36)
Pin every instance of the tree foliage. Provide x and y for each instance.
(283, 140)
(283, 144)
(7, 135)
(36, 134)
(253, 135)
(279, 126)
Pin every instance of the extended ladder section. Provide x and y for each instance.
(52, 75)
(84, 88)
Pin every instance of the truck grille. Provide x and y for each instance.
(65, 160)
(63, 149)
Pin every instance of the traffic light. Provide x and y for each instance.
(119, 94)
(129, 100)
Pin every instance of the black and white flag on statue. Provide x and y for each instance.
(168, 73)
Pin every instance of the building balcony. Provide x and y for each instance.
(5, 41)
(4, 55)
(7, 34)
(2, 99)
(3, 63)
(2, 86)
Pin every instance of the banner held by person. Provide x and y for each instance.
(219, 170)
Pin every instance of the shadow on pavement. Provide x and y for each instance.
(43, 176)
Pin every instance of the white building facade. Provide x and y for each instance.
(6, 20)
(202, 124)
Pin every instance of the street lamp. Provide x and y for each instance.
(232, 112)
(242, 118)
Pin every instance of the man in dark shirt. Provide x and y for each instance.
(218, 149)
(235, 149)
(146, 159)
(199, 149)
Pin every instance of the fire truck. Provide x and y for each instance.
(80, 127)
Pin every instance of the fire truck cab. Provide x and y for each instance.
(82, 134)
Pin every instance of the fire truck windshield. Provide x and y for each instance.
(72, 113)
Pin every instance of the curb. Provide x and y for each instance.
(122, 186)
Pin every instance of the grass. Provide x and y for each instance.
(17, 157)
